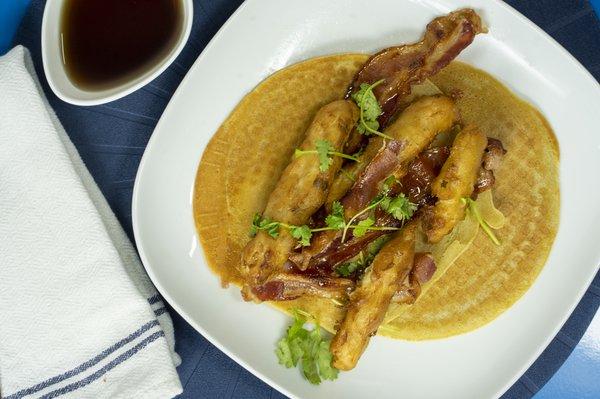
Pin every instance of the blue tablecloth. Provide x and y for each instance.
(111, 139)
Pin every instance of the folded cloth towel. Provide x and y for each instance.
(78, 315)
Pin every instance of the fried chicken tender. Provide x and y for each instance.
(300, 191)
(455, 182)
(370, 301)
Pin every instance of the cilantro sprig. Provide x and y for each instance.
(472, 207)
(363, 259)
(325, 150)
(307, 347)
(369, 110)
(302, 233)
(336, 219)
(399, 207)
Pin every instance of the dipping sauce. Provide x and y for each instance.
(107, 42)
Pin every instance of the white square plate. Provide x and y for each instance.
(266, 35)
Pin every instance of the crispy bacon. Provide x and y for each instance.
(416, 185)
(402, 66)
(423, 269)
(366, 186)
(492, 158)
(287, 286)
(338, 252)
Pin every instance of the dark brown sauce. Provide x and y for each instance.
(106, 42)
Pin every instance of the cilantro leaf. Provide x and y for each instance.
(273, 229)
(325, 152)
(399, 207)
(348, 268)
(309, 361)
(388, 183)
(289, 349)
(366, 100)
(284, 353)
(374, 248)
(261, 223)
(369, 110)
(308, 348)
(324, 359)
(362, 227)
(255, 224)
(336, 220)
(324, 147)
(362, 261)
(302, 234)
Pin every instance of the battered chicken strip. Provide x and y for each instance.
(370, 301)
(287, 286)
(300, 191)
(416, 126)
(455, 181)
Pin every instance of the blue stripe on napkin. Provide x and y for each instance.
(114, 363)
(90, 363)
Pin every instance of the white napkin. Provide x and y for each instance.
(78, 315)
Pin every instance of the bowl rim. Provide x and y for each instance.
(128, 87)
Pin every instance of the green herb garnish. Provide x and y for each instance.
(369, 110)
(302, 233)
(472, 207)
(260, 223)
(346, 269)
(336, 220)
(399, 207)
(308, 348)
(363, 226)
(325, 151)
(363, 259)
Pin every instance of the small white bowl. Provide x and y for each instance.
(57, 76)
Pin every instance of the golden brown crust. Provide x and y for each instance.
(300, 192)
(303, 186)
(369, 302)
(455, 182)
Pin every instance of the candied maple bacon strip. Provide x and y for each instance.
(455, 182)
(403, 66)
(370, 300)
(417, 126)
(287, 286)
(416, 185)
(300, 191)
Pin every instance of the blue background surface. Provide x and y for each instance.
(111, 139)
